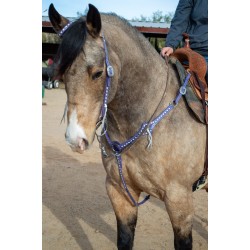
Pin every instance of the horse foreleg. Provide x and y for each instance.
(179, 204)
(126, 215)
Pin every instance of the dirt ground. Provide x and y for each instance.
(77, 213)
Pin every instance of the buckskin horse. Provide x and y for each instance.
(119, 88)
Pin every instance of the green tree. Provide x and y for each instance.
(141, 19)
(157, 16)
(168, 17)
(79, 14)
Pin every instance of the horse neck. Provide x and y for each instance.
(141, 83)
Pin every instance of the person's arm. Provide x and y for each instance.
(179, 25)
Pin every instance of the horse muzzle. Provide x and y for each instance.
(79, 145)
(75, 134)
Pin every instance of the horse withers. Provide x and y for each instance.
(115, 80)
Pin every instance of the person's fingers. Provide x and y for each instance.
(164, 51)
(169, 52)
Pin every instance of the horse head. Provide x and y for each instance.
(81, 64)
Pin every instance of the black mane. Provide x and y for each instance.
(71, 45)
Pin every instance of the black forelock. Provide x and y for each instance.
(71, 45)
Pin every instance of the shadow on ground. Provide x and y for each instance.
(65, 194)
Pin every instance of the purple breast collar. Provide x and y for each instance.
(145, 129)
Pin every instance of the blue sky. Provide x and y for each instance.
(127, 8)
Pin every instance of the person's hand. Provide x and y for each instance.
(166, 51)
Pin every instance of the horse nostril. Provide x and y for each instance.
(83, 143)
(86, 143)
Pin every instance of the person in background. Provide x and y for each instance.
(191, 17)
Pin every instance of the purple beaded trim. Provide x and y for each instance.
(119, 163)
(118, 147)
(64, 29)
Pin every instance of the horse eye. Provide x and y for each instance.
(97, 75)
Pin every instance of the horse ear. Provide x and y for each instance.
(57, 21)
(94, 24)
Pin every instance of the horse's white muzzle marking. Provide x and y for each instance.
(75, 135)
